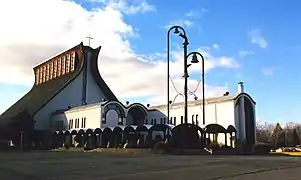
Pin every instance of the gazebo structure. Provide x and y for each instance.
(188, 136)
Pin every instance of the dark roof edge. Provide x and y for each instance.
(34, 85)
(96, 75)
(77, 73)
(18, 100)
(246, 95)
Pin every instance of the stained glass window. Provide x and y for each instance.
(44, 73)
(50, 70)
(47, 72)
(37, 76)
(72, 64)
(63, 65)
(67, 63)
(59, 67)
(54, 68)
(40, 75)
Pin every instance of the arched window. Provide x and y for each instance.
(152, 122)
(196, 119)
(161, 121)
(174, 121)
(155, 121)
(182, 119)
(164, 121)
(115, 107)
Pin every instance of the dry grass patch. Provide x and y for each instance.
(288, 153)
(106, 150)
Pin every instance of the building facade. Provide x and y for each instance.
(70, 94)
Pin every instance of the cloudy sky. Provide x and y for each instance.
(257, 42)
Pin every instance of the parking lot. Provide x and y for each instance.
(81, 165)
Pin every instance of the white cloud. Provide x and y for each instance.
(257, 38)
(244, 53)
(196, 13)
(46, 27)
(191, 13)
(215, 46)
(180, 22)
(125, 7)
(188, 20)
(268, 71)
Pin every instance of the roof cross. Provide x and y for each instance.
(89, 39)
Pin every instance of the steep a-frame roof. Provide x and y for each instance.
(41, 94)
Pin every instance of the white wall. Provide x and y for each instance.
(91, 113)
(215, 113)
(70, 96)
(94, 93)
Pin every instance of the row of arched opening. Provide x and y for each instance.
(145, 136)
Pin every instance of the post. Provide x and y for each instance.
(186, 82)
(203, 79)
(203, 88)
(168, 72)
(21, 143)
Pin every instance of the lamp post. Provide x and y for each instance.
(195, 60)
(183, 35)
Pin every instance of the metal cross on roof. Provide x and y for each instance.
(89, 39)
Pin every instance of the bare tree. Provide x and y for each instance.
(264, 132)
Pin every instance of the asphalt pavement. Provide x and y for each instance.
(86, 166)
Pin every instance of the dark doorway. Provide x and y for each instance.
(136, 115)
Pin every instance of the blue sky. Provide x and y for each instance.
(268, 66)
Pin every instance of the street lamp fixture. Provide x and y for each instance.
(195, 60)
(182, 34)
(186, 66)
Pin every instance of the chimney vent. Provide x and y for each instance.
(226, 93)
(241, 88)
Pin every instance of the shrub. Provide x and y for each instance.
(261, 149)
(161, 148)
(214, 146)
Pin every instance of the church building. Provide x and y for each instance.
(70, 94)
